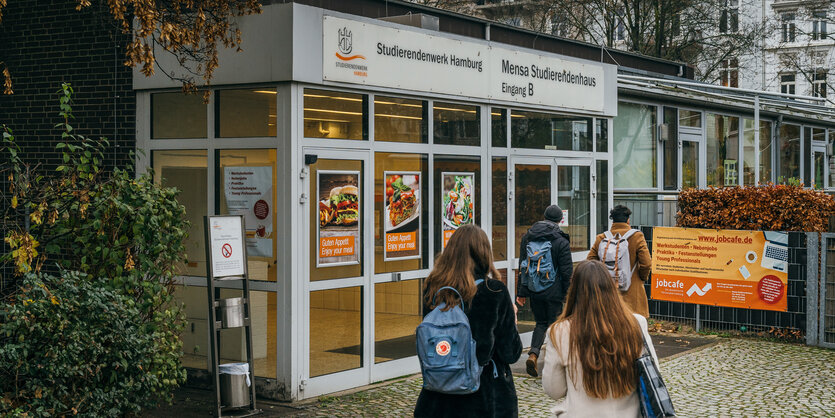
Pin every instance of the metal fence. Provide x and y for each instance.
(649, 211)
(821, 290)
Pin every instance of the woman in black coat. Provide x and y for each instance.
(467, 258)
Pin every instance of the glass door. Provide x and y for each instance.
(819, 167)
(689, 148)
(532, 184)
(402, 236)
(337, 206)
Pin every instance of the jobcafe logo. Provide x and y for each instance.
(442, 348)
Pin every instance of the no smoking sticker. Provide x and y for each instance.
(226, 250)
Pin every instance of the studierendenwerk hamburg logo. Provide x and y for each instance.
(346, 45)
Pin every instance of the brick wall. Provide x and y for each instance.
(45, 43)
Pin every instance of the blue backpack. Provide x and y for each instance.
(446, 350)
(538, 270)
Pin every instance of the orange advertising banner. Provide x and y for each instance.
(738, 269)
(336, 246)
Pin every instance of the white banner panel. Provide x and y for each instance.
(375, 55)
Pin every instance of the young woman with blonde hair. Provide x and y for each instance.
(467, 258)
(591, 350)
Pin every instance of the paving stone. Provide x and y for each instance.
(733, 378)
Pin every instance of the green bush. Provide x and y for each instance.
(125, 233)
(73, 347)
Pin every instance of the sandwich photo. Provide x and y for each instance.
(341, 208)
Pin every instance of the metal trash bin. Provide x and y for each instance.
(231, 312)
(234, 384)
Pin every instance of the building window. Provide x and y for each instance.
(550, 131)
(335, 115)
(178, 116)
(245, 113)
(722, 144)
(729, 20)
(819, 84)
(787, 83)
(819, 26)
(788, 27)
(635, 145)
(457, 124)
(729, 73)
(400, 120)
(620, 26)
(789, 153)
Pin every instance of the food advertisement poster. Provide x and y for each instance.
(339, 218)
(248, 191)
(401, 220)
(457, 202)
(738, 269)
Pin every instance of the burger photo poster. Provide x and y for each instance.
(401, 220)
(339, 218)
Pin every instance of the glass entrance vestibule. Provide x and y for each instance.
(358, 191)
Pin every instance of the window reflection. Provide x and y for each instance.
(550, 131)
(789, 153)
(690, 118)
(765, 151)
(456, 124)
(335, 115)
(178, 115)
(246, 113)
(335, 330)
(722, 163)
(499, 201)
(398, 310)
(186, 170)
(574, 195)
(400, 120)
(602, 168)
(498, 124)
(635, 146)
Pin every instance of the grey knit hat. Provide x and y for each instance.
(553, 213)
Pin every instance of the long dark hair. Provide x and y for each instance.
(467, 255)
(604, 337)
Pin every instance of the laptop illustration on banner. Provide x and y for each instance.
(776, 251)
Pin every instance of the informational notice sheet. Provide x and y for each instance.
(226, 239)
(248, 191)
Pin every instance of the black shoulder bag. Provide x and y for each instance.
(652, 392)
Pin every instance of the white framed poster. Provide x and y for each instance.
(225, 236)
(338, 226)
(457, 202)
(401, 215)
(248, 191)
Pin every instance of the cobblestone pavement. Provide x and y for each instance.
(735, 377)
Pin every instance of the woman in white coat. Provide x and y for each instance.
(591, 350)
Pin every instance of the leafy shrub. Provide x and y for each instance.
(769, 208)
(125, 233)
(71, 347)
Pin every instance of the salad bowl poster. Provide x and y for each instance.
(458, 202)
(401, 220)
(339, 218)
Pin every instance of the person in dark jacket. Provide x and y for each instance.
(547, 304)
(492, 315)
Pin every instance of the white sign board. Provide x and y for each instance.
(226, 237)
(365, 53)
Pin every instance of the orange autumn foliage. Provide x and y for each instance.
(769, 208)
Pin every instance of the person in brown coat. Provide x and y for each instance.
(635, 297)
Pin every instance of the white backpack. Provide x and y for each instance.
(614, 253)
